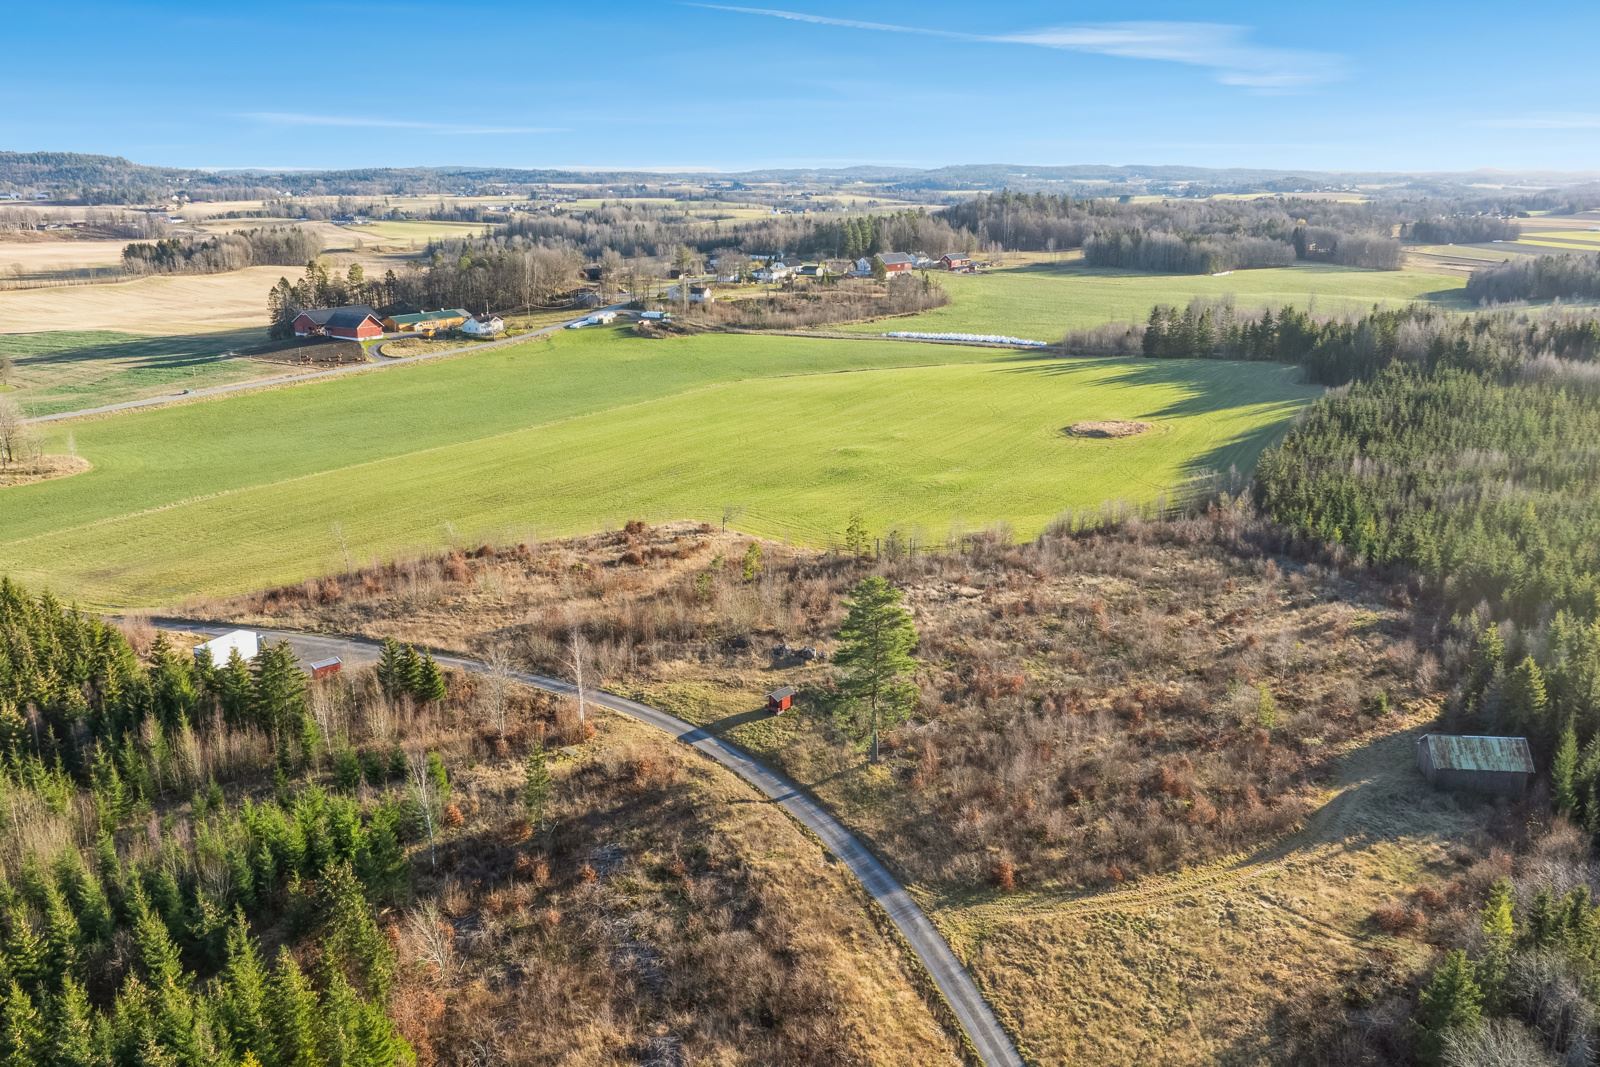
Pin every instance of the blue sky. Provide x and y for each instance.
(1394, 85)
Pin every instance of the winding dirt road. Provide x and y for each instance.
(982, 1028)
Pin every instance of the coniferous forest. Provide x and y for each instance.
(175, 887)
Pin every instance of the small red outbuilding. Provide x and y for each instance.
(780, 700)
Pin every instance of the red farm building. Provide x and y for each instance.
(354, 322)
(780, 700)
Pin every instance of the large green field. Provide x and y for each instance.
(590, 429)
(1044, 302)
(68, 370)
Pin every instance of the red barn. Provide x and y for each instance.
(780, 700)
(955, 261)
(348, 323)
(354, 324)
(897, 263)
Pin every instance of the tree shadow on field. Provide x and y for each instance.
(1206, 387)
(725, 725)
(136, 353)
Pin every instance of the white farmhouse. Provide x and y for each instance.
(483, 326)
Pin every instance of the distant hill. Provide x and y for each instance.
(98, 179)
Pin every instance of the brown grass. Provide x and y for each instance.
(1146, 794)
(1107, 428)
(45, 469)
(665, 917)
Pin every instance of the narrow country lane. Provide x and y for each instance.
(994, 1046)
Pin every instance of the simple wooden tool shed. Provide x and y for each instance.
(781, 700)
(1502, 765)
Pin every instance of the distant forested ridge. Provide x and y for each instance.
(1186, 236)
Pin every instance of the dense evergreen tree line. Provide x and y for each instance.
(268, 246)
(137, 950)
(1570, 277)
(1337, 350)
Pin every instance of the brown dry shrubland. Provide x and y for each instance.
(1094, 705)
(661, 917)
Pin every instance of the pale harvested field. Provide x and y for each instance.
(168, 304)
(38, 257)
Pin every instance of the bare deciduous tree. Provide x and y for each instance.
(577, 656)
(496, 691)
(16, 441)
(427, 798)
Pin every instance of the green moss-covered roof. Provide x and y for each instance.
(1461, 752)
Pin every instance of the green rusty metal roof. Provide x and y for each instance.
(430, 316)
(1461, 752)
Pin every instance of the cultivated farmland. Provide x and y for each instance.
(161, 304)
(587, 430)
(69, 370)
(1043, 302)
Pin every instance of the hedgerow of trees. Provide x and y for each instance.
(268, 246)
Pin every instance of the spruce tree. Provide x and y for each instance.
(430, 681)
(72, 1041)
(243, 995)
(876, 639)
(22, 1032)
(1525, 699)
(390, 669)
(1451, 1002)
(536, 785)
(1564, 771)
(1499, 932)
(292, 1013)
(352, 942)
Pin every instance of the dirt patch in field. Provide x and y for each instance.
(1108, 428)
(43, 471)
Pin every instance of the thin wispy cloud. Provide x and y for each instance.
(294, 118)
(1568, 120)
(1223, 49)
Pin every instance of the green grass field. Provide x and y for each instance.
(1044, 302)
(70, 370)
(590, 429)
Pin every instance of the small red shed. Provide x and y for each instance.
(780, 700)
(324, 667)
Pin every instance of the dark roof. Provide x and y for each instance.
(1459, 752)
(779, 694)
(891, 259)
(955, 255)
(351, 316)
(324, 316)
